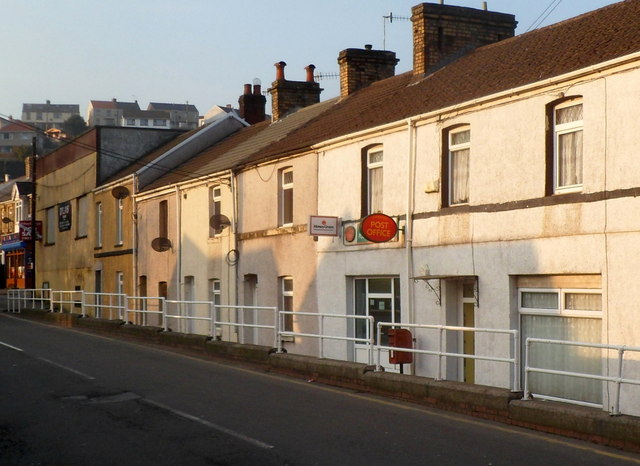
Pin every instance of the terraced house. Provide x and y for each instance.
(501, 168)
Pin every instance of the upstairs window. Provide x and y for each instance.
(567, 146)
(215, 210)
(119, 222)
(456, 164)
(99, 224)
(373, 178)
(286, 197)
(163, 219)
(81, 222)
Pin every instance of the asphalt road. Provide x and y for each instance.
(70, 398)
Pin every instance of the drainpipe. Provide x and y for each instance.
(134, 234)
(179, 241)
(408, 225)
(234, 232)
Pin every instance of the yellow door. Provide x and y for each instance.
(468, 341)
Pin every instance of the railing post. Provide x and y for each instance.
(163, 308)
(440, 333)
(371, 339)
(516, 363)
(321, 328)
(527, 350)
(616, 405)
(212, 319)
(278, 337)
(378, 350)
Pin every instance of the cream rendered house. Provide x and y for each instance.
(512, 174)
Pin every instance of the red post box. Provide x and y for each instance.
(400, 338)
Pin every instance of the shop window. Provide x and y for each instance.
(571, 314)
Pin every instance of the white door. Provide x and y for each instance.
(378, 297)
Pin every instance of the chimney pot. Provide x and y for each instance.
(368, 46)
(310, 69)
(257, 89)
(247, 89)
(280, 70)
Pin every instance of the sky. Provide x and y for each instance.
(204, 51)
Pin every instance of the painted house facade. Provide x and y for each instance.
(511, 173)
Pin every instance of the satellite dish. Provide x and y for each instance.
(161, 244)
(120, 192)
(219, 222)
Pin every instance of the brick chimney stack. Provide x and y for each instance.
(442, 33)
(252, 103)
(361, 67)
(289, 96)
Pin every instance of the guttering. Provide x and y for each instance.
(113, 184)
(234, 197)
(507, 94)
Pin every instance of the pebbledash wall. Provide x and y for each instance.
(520, 241)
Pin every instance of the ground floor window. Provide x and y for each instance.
(379, 298)
(563, 314)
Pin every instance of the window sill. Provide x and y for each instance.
(81, 237)
(49, 244)
(118, 245)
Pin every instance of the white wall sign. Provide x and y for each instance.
(323, 226)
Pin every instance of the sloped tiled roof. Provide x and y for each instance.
(113, 105)
(242, 145)
(18, 127)
(165, 106)
(62, 108)
(578, 43)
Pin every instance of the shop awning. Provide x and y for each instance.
(12, 246)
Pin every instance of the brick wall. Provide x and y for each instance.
(442, 33)
(361, 67)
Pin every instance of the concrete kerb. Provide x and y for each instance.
(480, 401)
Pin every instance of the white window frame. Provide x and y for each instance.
(215, 206)
(286, 186)
(452, 149)
(374, 166)
(562, 129)
(561, 309)
(215, 291)
(284, 294)
(99, 214)
(119, 222)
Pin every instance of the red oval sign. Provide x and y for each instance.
(378, 228)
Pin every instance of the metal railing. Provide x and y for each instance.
(240, 322)
(185, 313)
(442, 329)
(99, 302)
(618, 379)
(60, 298)
(17, 299)
(142, 307)
(367, 340)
